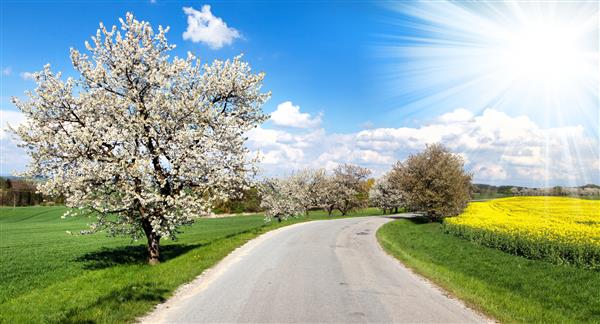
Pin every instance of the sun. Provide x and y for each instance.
(547, 55)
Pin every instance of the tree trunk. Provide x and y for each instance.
(153, 243)
(154, 249)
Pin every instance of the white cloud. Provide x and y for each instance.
(367, 125)
(204, 27)
(12, 118)
(497, 147)
(27, 76)
(346, 153)
(7, 71)
(276, 146)
(489, 171)
(12, 157)
(458, 115)
(289, 115)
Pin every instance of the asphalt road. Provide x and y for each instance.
(323, 271)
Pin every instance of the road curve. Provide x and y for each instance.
(322, 271)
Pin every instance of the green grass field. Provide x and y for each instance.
(506, 287)
(51, 276)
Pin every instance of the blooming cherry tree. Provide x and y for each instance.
(345, 189)
(312, 184)
(292, 196)
(282, 198)
(386, 195)
(145, 142)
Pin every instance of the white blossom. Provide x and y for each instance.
(282, 198)
(386, 195)
(145, 142)
(312, 186)
(344, 189)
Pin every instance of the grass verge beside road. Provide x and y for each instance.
(506, 287)
(51, 276)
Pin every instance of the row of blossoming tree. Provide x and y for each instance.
(432, 182)
(344, 189)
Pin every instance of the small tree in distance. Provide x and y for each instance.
(345, 189)
(348, 186)
(331, 195)
(386, 195)
(282, 198)
(144, 142)
(312, 187)
(434, 182)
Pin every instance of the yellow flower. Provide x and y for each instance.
(564, 220)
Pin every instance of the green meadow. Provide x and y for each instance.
(509, 288)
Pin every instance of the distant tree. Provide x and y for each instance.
(591, 186)
(557, 191)
(4, 183)
(330, 197)
(19, 192)
(282, 198)
(386, 195)
(434, 182)
(247, 201)
(347, 187)
(312, 186)
(505, 190)
(144, 142)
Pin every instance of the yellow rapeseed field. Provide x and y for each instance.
(558, 229)
(569, 220)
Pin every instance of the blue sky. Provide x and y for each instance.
(316, 55)
(367, 83)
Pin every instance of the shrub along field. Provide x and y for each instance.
(507, 287)
(49, 275)
(554, 229)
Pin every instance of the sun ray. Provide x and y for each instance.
(533, 49)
